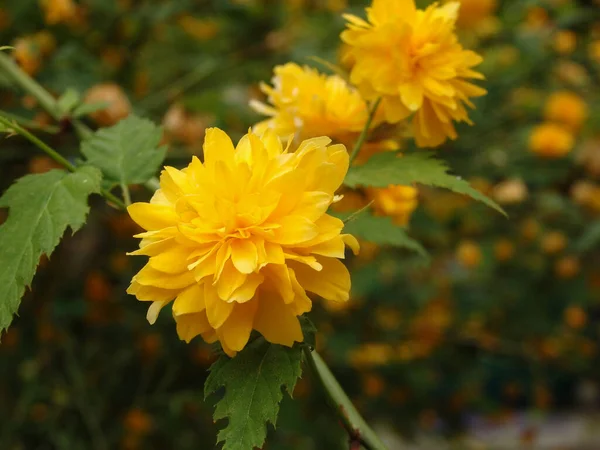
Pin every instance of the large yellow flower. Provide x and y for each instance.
(237, 240)
(412, 59)
(306, 103)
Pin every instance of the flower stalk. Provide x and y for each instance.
(358, 430)
(365, 132)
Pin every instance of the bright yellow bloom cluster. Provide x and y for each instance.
(237, 240)
(58, 11)
(566, 108)
(397, 202)
(551, 140)
(306, 103)
(473, 12)
(412, 59)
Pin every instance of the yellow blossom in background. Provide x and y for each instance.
(397, 202)
(117, 104)
(551, 140)
(200, 29)
(58, 11)
(566, 108)
(594, 51)
(565, 42)
(238, 240)
(412, 59)
(473, 12)
(306, 103)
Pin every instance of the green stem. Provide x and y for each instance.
(38, 143)
(54, 155)
(45, 99)
(365, 132)
(358, 430)
(126, 194)
(32, 124)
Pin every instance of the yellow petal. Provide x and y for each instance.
(276, 321)
(217, 147)
(153, 217)
(331, 283)
(295, 230)
(153, 311)
(189, 301)
(150, 293)
(236, 330)
(152, 277)
(244, 255)
(171, 261)
(191, 325)
(247, 290)
(229, 280)
(217, 310)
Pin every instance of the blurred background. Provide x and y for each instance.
(492, 343)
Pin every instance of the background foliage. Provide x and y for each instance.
(501, 316)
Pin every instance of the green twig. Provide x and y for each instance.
(32, 124)
(126, 194)
(358, 430)
(54, 155)
(365, 132)
(355, 214)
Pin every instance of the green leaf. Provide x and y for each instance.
(41, 207)
(590, 239)
(6, 48)
(87, 108)
(252, 381)
(381, 230)
(387, 168)
(68, 101)
(128, 152)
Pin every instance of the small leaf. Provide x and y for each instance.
(41, 207)
(128, 152)
(381, 230)
(590, 239)
(68, 101)
(387, 168)
(252, 382)
(87, 108)
(6, 48)
(309, 331)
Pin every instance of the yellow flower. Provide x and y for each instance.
(306, 103)
(551, 141)
(473, 12)
(566, 108)
(397, 202)
(58, 11)
(565, 42)
(413, 60)
(237, 240)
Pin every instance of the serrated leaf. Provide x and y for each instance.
(41, 207)
(387, 168)
(382, 231)
(128, 152)
(252, 380)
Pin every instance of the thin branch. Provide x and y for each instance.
(358, 430)
(365, 132)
